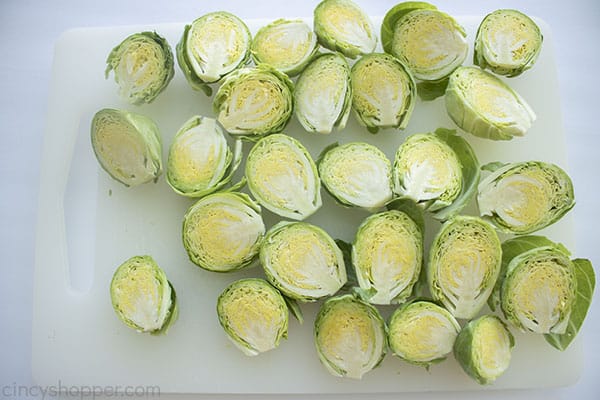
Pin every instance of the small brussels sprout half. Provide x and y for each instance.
(508, 42)
(387, 254)
(464, 264)
(254, 315)
(143, 67)
(127, 145)
(286, 45)
(211, 47)
(481, 104)
(283, 177)
(222, 232)
(439, 171)
(349, 336)
(383, 92)
(341, 25)
(422, 333)
(323, 94)
(483, 348)
(356, 174)
(254, 102)
(142, 297)
(302, 261)
(525, 197)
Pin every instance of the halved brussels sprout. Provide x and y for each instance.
(429, 42)
(286, 45)
(341, 25)
(283, 177)
(143, 66)
(211, 47)
(142, 297)
(387, 254)
(127, 145)
(254, 102)
(349, 336)
(483, 105)
(508, 42)
(383, 92)
(524, 197)
(357, 174)
(254, 315)
(302, 261)
(323, 94)
(438, 170)
(200, 161)
(464, 264)
(222, 232)
(483, 348)
(422, 333)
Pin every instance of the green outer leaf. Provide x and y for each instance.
(295, 309)
(172, 316)
(431, 90)
(184, 63)
(352, 281)
(586, 281)
(493, 166)
(409, 207)
(393, 15)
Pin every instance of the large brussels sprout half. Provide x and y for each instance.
(200, 161)
(526, 196)
(222, 232)
(254, 102)
(422, 333)
(383, 92)
(142, 66)
(350, 336)
(387, 254)
(483, 348)
(211, 47)
(254, 315)
(464, 264)
(357, 174)
(341, 25)
(323, 94)
(302, 261)
(508, 42)
(283, 177)
(481, 104)
(142, 297)
(286, 45)
(127, 145)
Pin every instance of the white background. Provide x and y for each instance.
(28, 30)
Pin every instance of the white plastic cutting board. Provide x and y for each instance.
(89, 224)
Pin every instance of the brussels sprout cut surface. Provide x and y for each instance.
(283, 177)
(211, 47)
(323, 94)
(254, 102)
(422, 333)
(254, 315)
(357, 174)
(483, 348)
(464, 264)
(349, 336)
(341, 25)
(483, 105)
(383, 92)
(142, 65)
(222, 232)
(525, 197)
(302, 261)
(508, 42)
(127, 146)
(142, 296)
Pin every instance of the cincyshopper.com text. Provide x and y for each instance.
(16, 391)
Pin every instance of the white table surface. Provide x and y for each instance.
(28, 30)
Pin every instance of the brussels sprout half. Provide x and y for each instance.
(142, 297)
(142, 66)
(349, 336)
(254, 315)
(127, 145)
